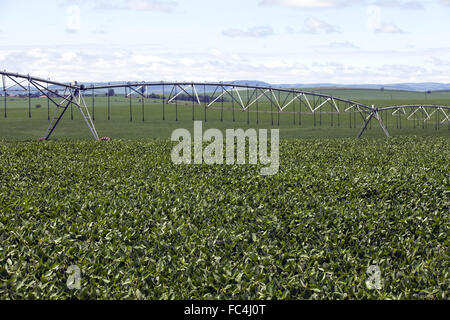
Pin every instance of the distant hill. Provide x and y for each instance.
(421, 87)
(416, 87)
(251, 83)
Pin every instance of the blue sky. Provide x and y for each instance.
(278, 41)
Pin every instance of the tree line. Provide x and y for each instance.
(181, 97)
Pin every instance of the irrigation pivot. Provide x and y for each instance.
(244, 96)
(73, 95)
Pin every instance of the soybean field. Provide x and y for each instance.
(140, 227)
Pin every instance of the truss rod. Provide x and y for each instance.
(237, 86)
(87, 117)
(286, 105)
(196, 94)
(44, 93)
(320, 105)
(28, 77)
(56, 118)
(218, 97)
(240, 99)
(231, 95)
(17, 83)
(257, 98)
(366, 123)
(307, 102)
(276, 100)
(136, 90)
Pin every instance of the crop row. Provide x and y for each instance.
(139, 226)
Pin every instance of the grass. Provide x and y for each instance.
(390, 97)
(140, 227)
(19, 126)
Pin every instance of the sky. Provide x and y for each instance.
(277, 41)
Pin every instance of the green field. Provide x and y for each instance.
(388, 97)
(139, 227)
(147, 121)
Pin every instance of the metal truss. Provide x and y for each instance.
(245, 96)
(420, 112)
(233, 91)
(72, 95)
(314, 101)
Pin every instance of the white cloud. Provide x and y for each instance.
(147, 59)
(99, 31)
(138, 5)
(37, 53)
(138, 49)
(277, 64)
(236, 57)
(375, 23)
(373, 17)
(335, 47)
(343, 45)
(400, 4)
(289, 29)
(309, 4)
(216, 52)
(114, 63)
(255, 32)
(151, 5)
(68, 56)
(312, 4)
(389, 28)
(439, 62)
(73, 23)
(314, 25)
(187, 62)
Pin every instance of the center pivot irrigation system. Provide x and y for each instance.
(73, 94)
